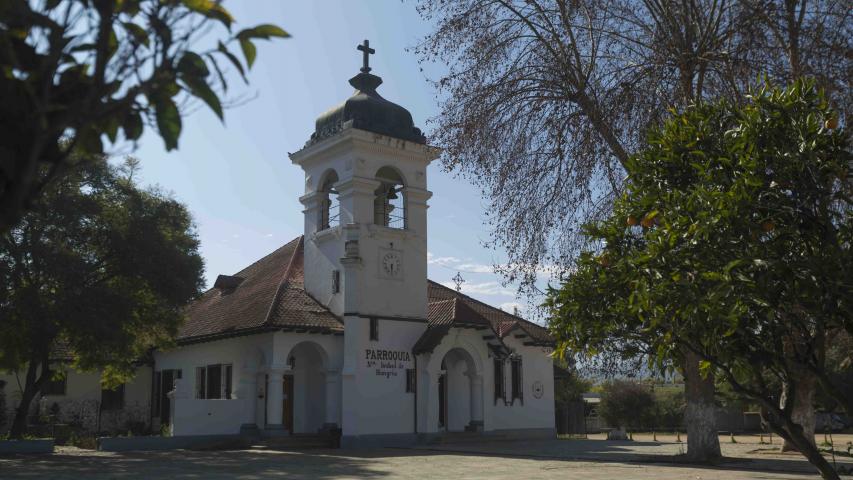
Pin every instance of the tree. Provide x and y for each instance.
(75, 73)
(100, 267)
(732, 242)
(839, 363)
(570, 388)
(547, 100)
(626, 404)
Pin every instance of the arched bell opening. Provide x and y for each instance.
(389, 202)
(330, 211)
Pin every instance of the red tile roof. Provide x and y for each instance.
(501, 321)
(270, 295)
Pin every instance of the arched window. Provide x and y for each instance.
(389, 203)
(329, 206)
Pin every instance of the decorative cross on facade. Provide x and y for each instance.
(366, 50)
(458, 280)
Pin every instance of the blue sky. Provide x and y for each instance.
(236, 177)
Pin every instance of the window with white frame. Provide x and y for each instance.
(213, 381)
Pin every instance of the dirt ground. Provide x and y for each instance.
(591, 459)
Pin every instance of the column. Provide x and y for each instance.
(333, 399)
(425, 395)
(275, 399)
(476, 382)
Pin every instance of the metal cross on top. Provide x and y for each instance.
(366, 50)
(458, 280)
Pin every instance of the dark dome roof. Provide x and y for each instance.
(368, 111)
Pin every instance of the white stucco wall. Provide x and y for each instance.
(246, 355)
(193, 416)
(254, 391)
(532, 412)
(374, 397)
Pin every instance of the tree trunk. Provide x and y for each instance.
(803, 412)
(703, 444)
(19, 425)
(793, 432)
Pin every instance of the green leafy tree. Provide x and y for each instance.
(76, 74)
(732, 243)
(99, 267)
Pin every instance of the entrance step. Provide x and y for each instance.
(296, 441)
(466, 437)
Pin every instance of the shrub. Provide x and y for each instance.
(669, 409)
(627, 404)
(88, 442)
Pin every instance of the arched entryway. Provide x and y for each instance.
(304, 389)
(460, 393)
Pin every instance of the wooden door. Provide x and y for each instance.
(167, 379)
(287, 384)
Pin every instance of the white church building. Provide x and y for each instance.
(340, 330)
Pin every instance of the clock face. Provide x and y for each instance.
(391, 264)
(538, 389)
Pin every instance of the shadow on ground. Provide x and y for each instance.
(186, 464)
(654, 453)
(589, 458)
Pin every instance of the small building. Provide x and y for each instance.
(77, 400)
(340, 329)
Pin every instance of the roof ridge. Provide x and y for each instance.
(284, 281)
(247, 267)
(265, 256)
(491, 307)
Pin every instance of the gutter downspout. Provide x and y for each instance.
(416, 392)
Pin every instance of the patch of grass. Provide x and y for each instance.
(27, 436)
(88, 442)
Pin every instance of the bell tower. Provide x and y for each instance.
(365, 205)
(366, 244)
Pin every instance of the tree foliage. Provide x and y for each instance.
(733, 243)
(100, 269)
(545, 100)
(571, 387)
(78, 74)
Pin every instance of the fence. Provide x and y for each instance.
(570, 419)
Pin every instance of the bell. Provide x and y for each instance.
(392, 193)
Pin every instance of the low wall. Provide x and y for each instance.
(197, 442)
(26, 446)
